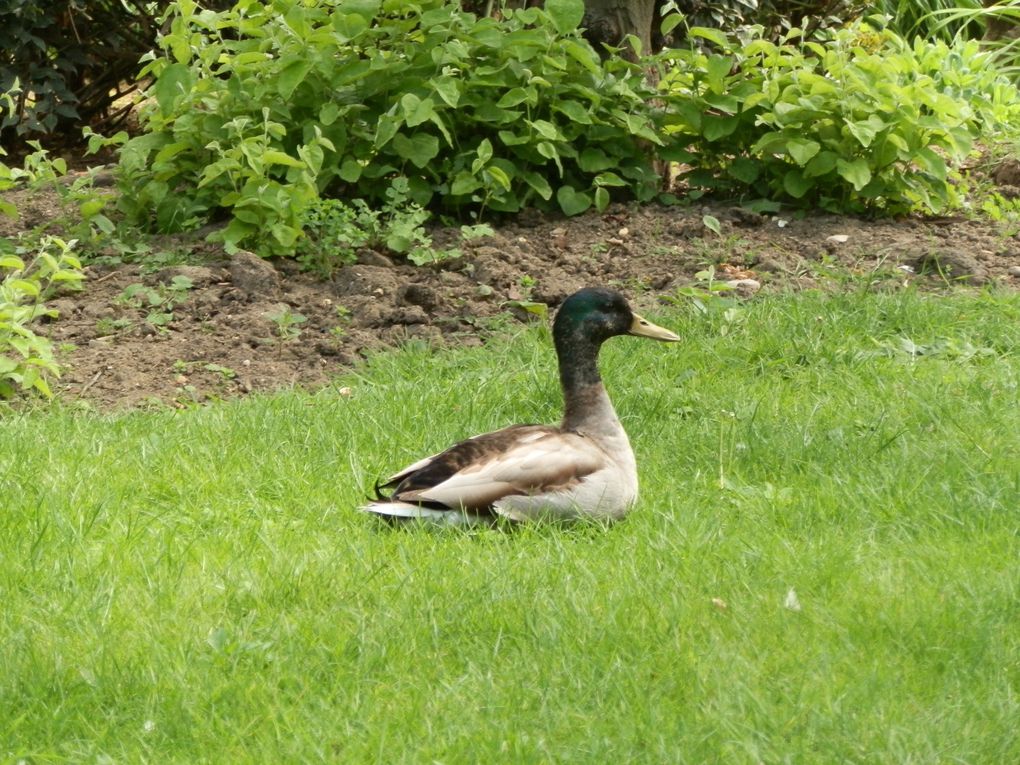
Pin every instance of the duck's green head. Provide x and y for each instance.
(596, 314)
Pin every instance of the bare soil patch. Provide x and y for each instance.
(236, 329)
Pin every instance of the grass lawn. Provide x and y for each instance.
(824, 566)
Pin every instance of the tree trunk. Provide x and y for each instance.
(610, 21)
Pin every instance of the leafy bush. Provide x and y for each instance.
(258, 110)
(26, 359)
(867, 123)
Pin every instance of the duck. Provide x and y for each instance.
(583, 469)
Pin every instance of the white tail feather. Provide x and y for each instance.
(427, 514)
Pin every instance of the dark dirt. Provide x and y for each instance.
(221, 340)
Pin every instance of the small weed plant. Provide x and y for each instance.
(334, 231)
(287, 322)
(26, 358)
(159, 302)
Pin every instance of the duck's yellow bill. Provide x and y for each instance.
(644, 328)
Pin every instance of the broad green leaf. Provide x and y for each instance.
(822, 163)
(866, 130)
(90, 207)
(511, 139)
(349, 26)
(274, 157)
(548, 151)
(438, 122)
(446, 88)
(574, 112)
(464, 184)
(416, 110)
(931, 163)
(367, 8)
(296, 18)
(639, 125)
(566, 15)
(547, 130)
(712, 35)
(802, 150)
(796, 185)
(571, 201)
(328, 113)
(350, 170)
(609, 179)
(601, 199)
(585, 55)
(669, 23)
(723, 101)
(538, 183)
(499, 176)
(717, 68)
(516, 96)
(25, 286)
(385, 130)
(594, 160)
(857, 172)
(484, 153)
(745, 169)
(293, 72)
(169, 151)
(420, 149)
(715, 128)
(174, 81)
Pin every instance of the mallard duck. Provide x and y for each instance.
(583, 468)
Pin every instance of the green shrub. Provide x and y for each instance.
(258, 110)
(866, 123)
(26, 359)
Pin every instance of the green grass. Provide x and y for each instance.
(196, 587)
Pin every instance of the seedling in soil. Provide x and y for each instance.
(161, 301)
(287, 323)
(226, 372)
(343, 313)
(107, 326)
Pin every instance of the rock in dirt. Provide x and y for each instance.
(420, 295)
(1007, 173)
(955, 266)
(200, 276)
(742, 218)
(252, 274)
(369, 257)
(1014, 271)
(64, 308)
(410, 315)
(745, 287)
(367, 281)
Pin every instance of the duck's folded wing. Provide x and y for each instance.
(522, 460)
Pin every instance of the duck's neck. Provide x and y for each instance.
(587, 407)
